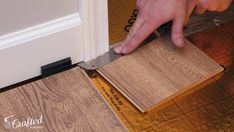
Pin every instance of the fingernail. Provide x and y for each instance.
(118, 49)
(200, 10)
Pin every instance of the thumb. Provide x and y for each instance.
(177, 31)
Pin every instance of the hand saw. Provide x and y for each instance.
(196, 24)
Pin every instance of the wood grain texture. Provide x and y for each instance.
(166, 118)
(68, 102)
(208, 107)
(158, 71)
(183, 112)
(217, 116)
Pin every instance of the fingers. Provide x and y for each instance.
(138, 35)
(177, 31)
(138, 23)
(134, 41)
(224, 5)
(212, 5)
(200, 10)
(201, 6)
(152, 15)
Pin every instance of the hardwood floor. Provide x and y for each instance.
(158, 72)
(208, 107)
(66, 101)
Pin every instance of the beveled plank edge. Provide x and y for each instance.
(221, 68)
(100, 95)
(121, 91)
(183, 90)
(186, 89)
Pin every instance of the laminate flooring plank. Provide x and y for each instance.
(158, 72)
(216, 116)
(67, 101)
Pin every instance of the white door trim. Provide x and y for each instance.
(94, 21)
(82, 36)
(95, 28)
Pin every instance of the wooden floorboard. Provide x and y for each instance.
(67, 101)
(158, 72)
(217, 116)
(167, 117)
(209, 107)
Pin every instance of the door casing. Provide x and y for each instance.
(82, 35)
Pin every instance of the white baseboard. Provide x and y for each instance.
(82, 36)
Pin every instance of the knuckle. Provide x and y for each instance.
(177, 32)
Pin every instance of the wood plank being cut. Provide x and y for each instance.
(65, 102)
(158, 72)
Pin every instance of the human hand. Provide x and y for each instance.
(152, 14)
(212, 5)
